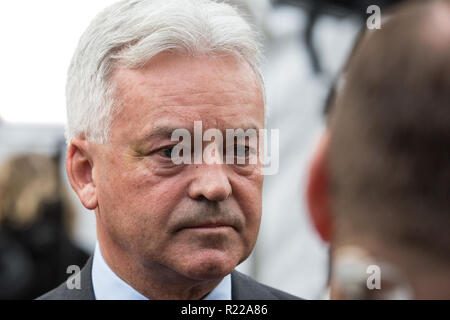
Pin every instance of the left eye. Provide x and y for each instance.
(166, 152)
(241, 151)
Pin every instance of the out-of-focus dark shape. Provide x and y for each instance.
(331, 97)
(338, 8)
(35, 225)
(379, 186)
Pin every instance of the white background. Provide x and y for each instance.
(37, 40)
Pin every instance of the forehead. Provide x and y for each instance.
(173, 90)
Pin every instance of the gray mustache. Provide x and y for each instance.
(209, 214)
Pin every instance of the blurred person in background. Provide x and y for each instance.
(379, 184)
(35, 228)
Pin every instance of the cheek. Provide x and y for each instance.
(137, 197)
(248, 193)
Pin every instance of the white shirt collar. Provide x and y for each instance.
(108, 286)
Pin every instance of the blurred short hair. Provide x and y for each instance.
(30, 186)
(389, 157)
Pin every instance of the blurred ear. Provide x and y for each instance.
(317, 190)
(79, 170)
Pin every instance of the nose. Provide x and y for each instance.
(210, 182)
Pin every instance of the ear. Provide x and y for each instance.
(317, 190)
(79, 166)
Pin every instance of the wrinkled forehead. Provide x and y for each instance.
(174, 91)
(168, 73)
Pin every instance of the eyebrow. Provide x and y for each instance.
(166, 131)
(160, 131)
(245, 128)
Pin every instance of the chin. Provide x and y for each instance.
(210, 265)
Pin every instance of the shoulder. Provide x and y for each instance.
(244, 287)
(85, 292)
(59, 293)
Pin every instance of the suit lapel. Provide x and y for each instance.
(245, 288)
(86, 292)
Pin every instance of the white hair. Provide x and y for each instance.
(131, 32)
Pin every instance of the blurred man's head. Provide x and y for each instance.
(142, 70)
(380, 179)
(30, 190)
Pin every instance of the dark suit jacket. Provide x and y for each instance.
(242, 286)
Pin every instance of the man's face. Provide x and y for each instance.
(197, 220)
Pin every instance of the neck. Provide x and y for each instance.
(426, 275)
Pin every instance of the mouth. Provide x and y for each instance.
(208, 227)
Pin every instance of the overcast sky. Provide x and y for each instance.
(38, 39)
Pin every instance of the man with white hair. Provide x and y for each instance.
(143, 69)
